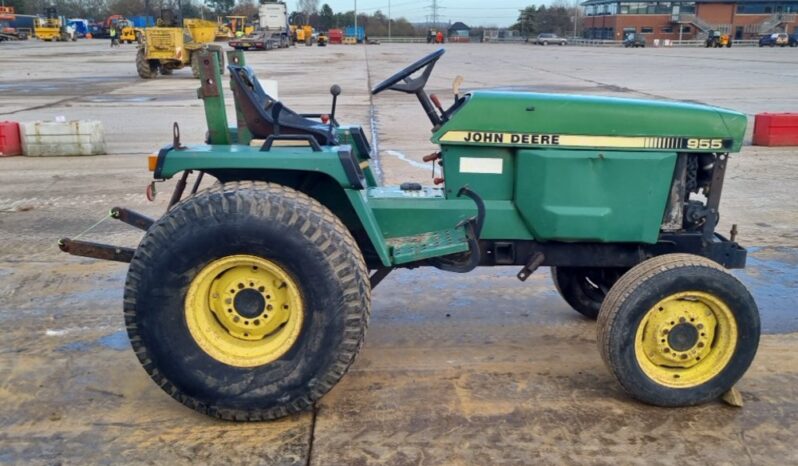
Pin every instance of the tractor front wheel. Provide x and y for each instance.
(584, 288)
(247, 301)
(678, 330)
(145, 68)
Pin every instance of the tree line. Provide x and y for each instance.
(558, 18)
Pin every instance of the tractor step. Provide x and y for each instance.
(426, 245)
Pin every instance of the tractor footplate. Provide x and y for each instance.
(426, 245)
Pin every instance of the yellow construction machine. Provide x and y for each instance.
(302, 34)
(236, 26)
(50, 28)
(168, 47)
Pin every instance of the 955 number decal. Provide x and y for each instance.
(696, 143)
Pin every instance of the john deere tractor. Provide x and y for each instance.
(249, 299)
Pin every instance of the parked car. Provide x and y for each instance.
(771, 40)
(794, 39)
(549, 38)
(257, 41)
(634, 40)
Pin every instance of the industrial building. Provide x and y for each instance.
(675, 20)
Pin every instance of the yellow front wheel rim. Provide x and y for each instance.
(686, 339)
(244, 310)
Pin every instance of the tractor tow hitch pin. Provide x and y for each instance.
(335, 90)
(534, 262)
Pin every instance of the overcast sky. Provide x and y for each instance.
(472, 12)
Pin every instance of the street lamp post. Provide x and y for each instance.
(389, 20)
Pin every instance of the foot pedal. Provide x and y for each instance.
(426, 245)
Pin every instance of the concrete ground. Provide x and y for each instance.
(456, 369)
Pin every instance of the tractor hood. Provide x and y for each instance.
(527, 119)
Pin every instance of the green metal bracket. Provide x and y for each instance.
(244, 136)
(212, 95)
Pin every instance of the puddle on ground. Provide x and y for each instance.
(116, 341)
(771, 275)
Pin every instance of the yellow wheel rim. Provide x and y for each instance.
(686, 339)
(244, 310)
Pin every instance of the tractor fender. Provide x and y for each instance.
(319, 174)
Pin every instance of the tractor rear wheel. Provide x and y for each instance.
(145, 67)
(678, 330)
(584, 288)
(247, 301)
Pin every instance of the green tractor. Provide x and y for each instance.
(249, 300)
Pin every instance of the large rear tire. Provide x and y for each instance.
(678, 330)
(584, 288)
(247, 301)
(144, 67)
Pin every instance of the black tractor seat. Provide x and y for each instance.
(258, 109)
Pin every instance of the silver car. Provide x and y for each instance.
(549, 38)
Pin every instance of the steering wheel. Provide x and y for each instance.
(412, 87)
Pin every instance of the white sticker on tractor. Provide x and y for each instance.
(480, 165)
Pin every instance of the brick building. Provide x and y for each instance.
(743, 19)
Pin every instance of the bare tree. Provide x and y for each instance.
(307, 7)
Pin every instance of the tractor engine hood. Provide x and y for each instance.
(527, 119)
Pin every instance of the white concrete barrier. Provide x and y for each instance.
(59, 138)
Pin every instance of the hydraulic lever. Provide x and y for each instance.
(335, 90)
(437, 103)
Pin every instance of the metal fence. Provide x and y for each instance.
(662, 44)
(578, 41)
(400, 40)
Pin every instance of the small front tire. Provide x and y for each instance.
(678, 330)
